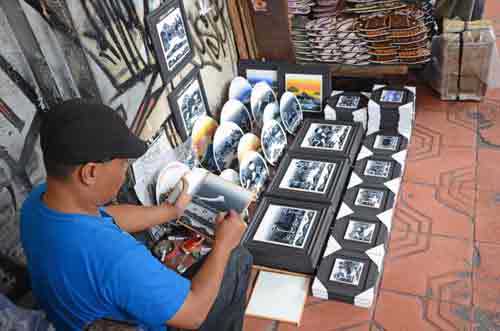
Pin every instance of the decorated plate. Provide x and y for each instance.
(202, 140)
(236, 112)
(169, 185)
(226, 141)
(253, 172)
(273, 140)
(272, 112)
(240, 89)
(231, 176)
(262, 95)
(249, 142)
(291, 112)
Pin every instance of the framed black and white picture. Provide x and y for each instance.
(259, 71)
(329, 138)
(365, 199)
(360, 235)
(188, 102)
(310, 178)
(348, 106)
(384, 143)
(288, 235)
(378, 169)
(311, 85)
(169, 32)
(347, 276)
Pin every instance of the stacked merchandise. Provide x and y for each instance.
(291, 224)
(348, 106)
(364, 32)
(353, 259)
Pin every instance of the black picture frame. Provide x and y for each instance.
(340, 233)
(378, 92)
(308, 70)
(349, 150)
(332, 192)
(176, 8)
(358, 295)
(302, 260)
(245, 65)
(364, 168)
(369, 142)
(386, 202)
(173, 99)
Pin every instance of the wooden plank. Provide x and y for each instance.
(248, 28)
(369, 71)
(272, 32)
(239, 34)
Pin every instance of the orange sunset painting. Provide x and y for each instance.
(307, 88)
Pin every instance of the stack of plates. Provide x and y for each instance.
(363, 32)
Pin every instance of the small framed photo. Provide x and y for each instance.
(388, 143)
(347, 276)
(370, 198)
(378, 169)
(288, 235)
(311, 85)
(359, 234)
(347, 271)
(169, 32)
(188, 103)
(392, 96)
(348, 101)
(259, 71)
(360, 231)
(384, 143)
(367, 199)
(310, 178)
(331, 138)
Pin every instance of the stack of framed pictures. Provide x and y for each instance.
(329, 138)
(348, 106)
(288, 234)
(387, 143)
(392, 108)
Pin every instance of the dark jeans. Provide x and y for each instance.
(229, 307)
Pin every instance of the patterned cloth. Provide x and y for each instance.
(13, 318)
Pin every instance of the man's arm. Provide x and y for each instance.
(133, 219)
(206, 283)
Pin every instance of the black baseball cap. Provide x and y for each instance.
(77, 131)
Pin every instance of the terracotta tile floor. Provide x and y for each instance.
(442, 271)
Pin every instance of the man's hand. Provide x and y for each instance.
(229, 230)
(183, 200)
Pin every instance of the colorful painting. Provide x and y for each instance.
(308, 89)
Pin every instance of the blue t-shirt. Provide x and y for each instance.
(85, 268)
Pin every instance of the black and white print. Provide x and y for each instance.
(369, 198)
(253, 172)
(327, 136)
(377, 168)
(348, 101)
(226, 141)
(347, 271)
(285, 226)
(273, 140)
(174, 40)
(309, 176)
(360, 231)
(389, 143)
(392, 96)
(191, 105)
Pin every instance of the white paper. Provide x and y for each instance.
(278, 297)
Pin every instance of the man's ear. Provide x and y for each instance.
(88, 173)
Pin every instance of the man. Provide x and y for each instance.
(84, 265)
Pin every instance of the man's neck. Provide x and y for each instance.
(62, 198)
